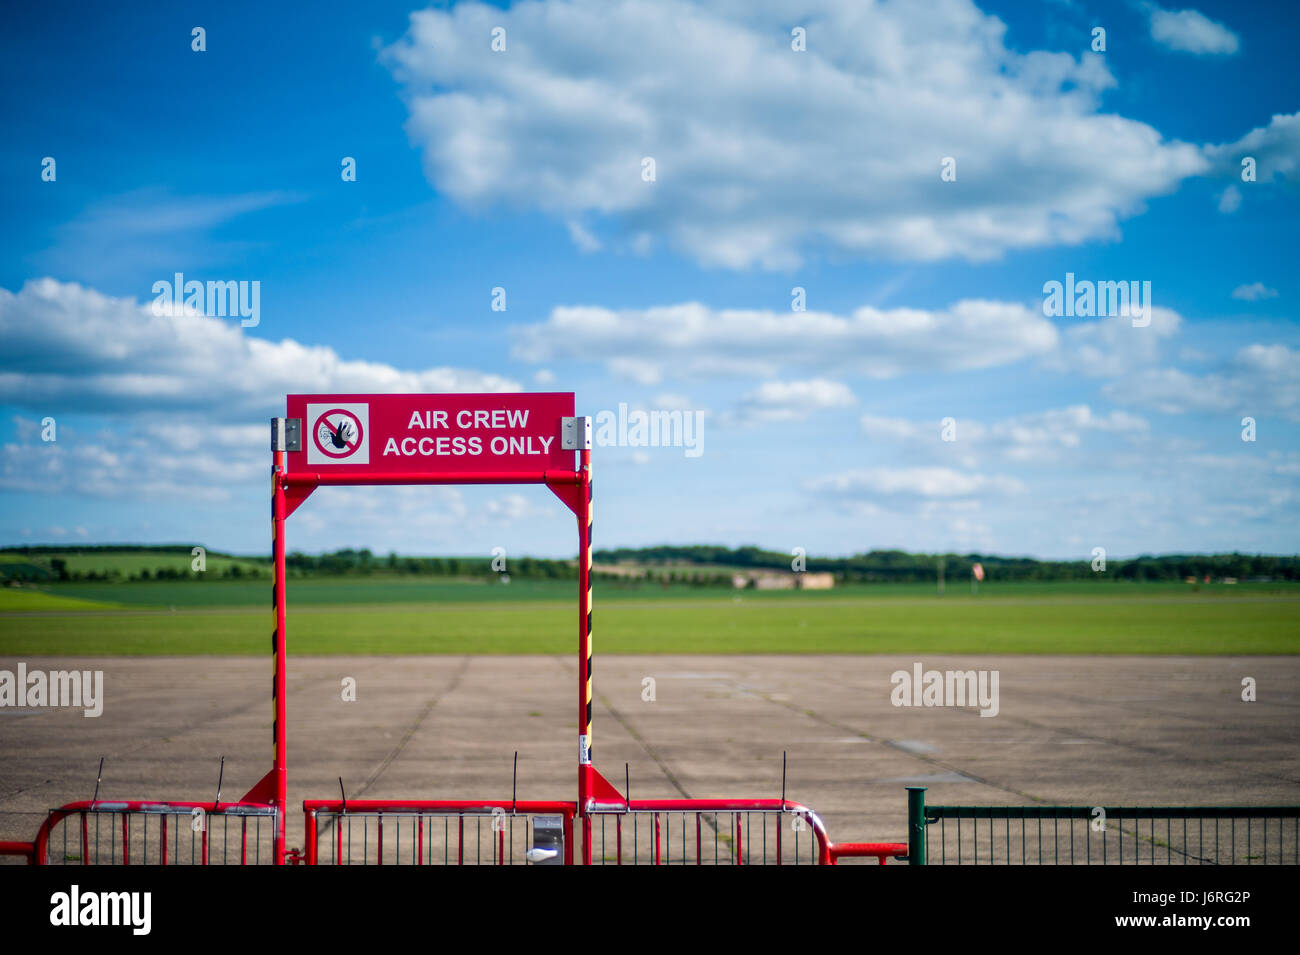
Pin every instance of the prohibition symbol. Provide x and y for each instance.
(338, 433)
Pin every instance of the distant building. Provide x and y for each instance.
(822, 581)
(778, 580)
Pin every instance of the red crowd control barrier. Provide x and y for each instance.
(25, 849)
(429, 831)
(709, 832)
(104, 832)
(883, 851)
(502, 832)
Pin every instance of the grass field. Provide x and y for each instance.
(129, 562)
(30, 600)
(381, 589)
(415, 616)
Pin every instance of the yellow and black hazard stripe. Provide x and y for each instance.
(587, 560)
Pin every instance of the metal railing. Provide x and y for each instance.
(426, 831)
(102, 832)
(708, 832)
(641, 832)
(692, 837)
(1101, 835)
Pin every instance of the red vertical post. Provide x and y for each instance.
(584, 651)
(280, 799)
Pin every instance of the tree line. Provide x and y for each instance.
(693, 564)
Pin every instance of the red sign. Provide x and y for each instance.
(446, 434)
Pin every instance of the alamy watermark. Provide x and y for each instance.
(946, 688)
(650, 429)
(242, 299)
(39, 688)
(103, 908)
(1088, 299)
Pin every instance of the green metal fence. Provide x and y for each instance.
(1100, 835)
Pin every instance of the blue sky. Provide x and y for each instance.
(775, 168)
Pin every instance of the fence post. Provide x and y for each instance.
(916, 825)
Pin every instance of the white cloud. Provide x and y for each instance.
(415, 518)
(691, 339)
(775, 401)
(914, 482)
(1114, 346)
(135, 231)
(1260, 380)
(895, 429)
(511, 508)
(1190, 31)
(584, 240)
(153, 460)
(634, 369)
(763, 153)
(1039, 436)
(1275, 149)
(1230, 200)
(1254, 292)
(70, 348)
(670, 401)
(184, 394)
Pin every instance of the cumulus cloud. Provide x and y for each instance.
(763, 153)
(185, 397)
(922, 482)
(512, 507)
(1260, 380)
(1275, 149)
(152, 460)
(1254, 292)
(691, 339)
(1190, 31)
(70, 348)
(1114, 346)
(1038, 436)
(776, 401)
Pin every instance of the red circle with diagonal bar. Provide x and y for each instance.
(340, 444)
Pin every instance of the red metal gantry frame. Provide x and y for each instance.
(572, 487)
(596, 796)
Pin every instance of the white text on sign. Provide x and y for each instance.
(458, 445)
